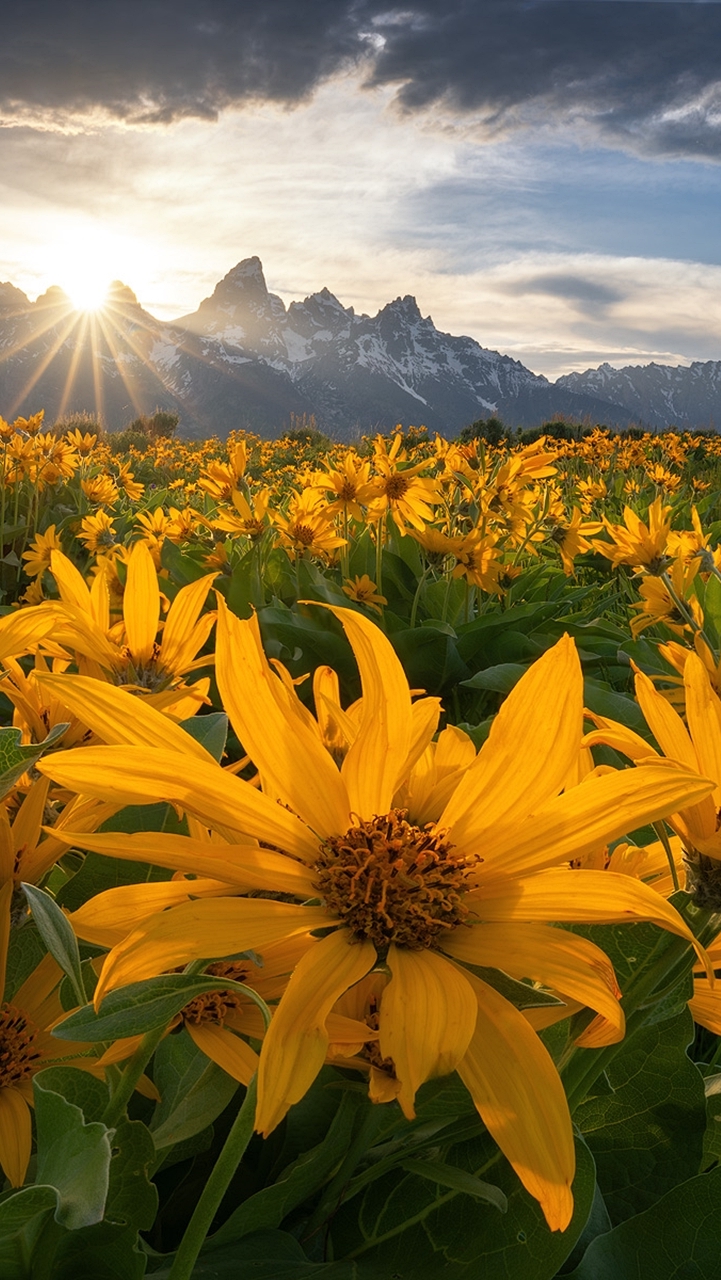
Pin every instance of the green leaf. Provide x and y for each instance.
(25, 951)
(296, 1184)
(676, 1239)
(520, 994)
(110, 1250)
(268, 1255)
(23, 1219)
(193, 1091)
(500, 679)
(139, 1007)
(647, 1135)
(403, 1227)
(712, 1137)
(15, 759)
(445, 1175)
(74, 1157)
(57, 934)
(430, 658)
(211, 731)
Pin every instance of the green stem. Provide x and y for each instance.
(132, 1072)
(357, 1149)
(417, 596)
(215, 1188)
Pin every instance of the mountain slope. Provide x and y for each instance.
(244, 359)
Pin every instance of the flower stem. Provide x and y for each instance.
(134, 1069)
(215, 1188)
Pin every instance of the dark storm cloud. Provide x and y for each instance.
(644, 74)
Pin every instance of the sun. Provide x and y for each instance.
(89, 291)
(85, 257)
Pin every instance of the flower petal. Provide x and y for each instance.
(181, 639)
(703, 711)
(228, 1051)
(141, 604)
(518, 1092)
(569, 965)
(382, 743)
(295, 1046)
(599, 810)
(294, 766)
(110, 916)
(581, 897)
(118, 717)
(543, 712)
(203, 930)
(427, 1019)
(15, 1136)
(244, 866)
(132, 775)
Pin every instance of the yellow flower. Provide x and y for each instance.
(658, 605)
(83, 443)
(130, 652)
(364, 591)
(697, 748)
(100, 490)
(37, 558)
(98, 533)
(571, 538)
(637, 544)
(479, 886)
(308, 526)
(246, 520)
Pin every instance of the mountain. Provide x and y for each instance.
(244, 359)
(657, 395)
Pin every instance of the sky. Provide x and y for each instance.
(543, 175)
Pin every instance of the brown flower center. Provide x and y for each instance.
(214, 1006)
(18, 1057)
(390, 881)
(395, 486)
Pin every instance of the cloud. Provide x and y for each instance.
(640, 74)
(573, 288)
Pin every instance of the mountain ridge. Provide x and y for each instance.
(244, 359)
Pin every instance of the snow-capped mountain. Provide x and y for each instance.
(657, 395)
(244, 359)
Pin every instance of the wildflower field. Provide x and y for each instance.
(360, 857)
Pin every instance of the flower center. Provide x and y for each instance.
(18, 1057)
(214, 1006)
(396, 486)
(390, 881)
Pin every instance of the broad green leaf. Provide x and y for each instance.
(430, 658)
(25, 951)
(23, 1219)
(211, 731)
(57, 934)
(15, 759)
(110, 1250)
(268, 1255)
(268, 1207)
(139, 1007)
(193, 1091)
(499, 679)
(405, 1228)
(74, 1157)
(677, 1237)
(647, 1135)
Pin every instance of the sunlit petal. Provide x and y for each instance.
(108, 917)
(518, 1092)
(427, 1018)
(294, 1048)
(533, 742)
(293, 763)
(131, 775)
(198, 930)
(141, 604)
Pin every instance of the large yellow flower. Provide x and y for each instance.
(376, 889)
